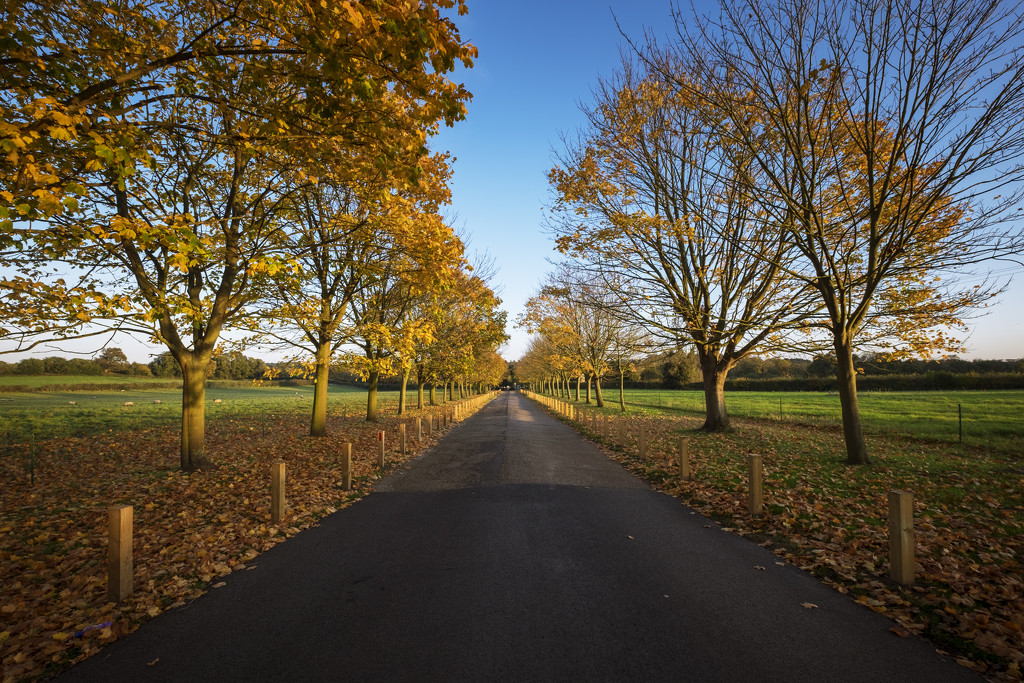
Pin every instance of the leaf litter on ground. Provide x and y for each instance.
(190, 530)
(831, 519)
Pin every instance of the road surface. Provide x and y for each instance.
(515, 551)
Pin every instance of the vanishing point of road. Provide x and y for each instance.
(515, 551)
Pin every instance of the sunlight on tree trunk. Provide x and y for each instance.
(853, 431)
(318, 422)
(402, 390)
(193, 416)
(371, 396)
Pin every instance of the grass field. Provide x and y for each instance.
(37, 415)
(990, 418)
(35, 381)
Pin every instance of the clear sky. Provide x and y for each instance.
(538, 60)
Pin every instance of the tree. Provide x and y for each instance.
(158, 153)
(78, 80)
(112, 359)
(888, 138)
(345, 232)
(424, 257)
(653, 201)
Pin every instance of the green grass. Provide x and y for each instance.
(36, 381)
(990, 418)
(43, 415)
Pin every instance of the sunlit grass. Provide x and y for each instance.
(989, 418)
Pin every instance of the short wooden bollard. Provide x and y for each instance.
(346, 467)
(380, 449)
(430, 425)
(119, 559)
(276, 492)
(419, 429)
(755, 501)
(901, 537)
(401, 438)
(593, 422)
(622, 431)
(643, 441)
(684, 458)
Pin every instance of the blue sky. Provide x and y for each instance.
(537, 61)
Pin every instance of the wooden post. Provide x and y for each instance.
(119, 558)
(643, 441)
(276, 492)
(593, 422)
(755, 501)
(684, 458)
(419, 429)
(430, 425)
(901, 537)
(380, 450)
(622, 430)
(401, 438)
(346, 467)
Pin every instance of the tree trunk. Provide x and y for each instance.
(714, 372)
(401, 391)
(578, 380)
(318, 423)
(588, 389)
(193, 415)
(597, 391)
(433, 401)
(853, 431)
(622, 390)
(371, 396)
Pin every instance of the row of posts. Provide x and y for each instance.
(120, 569)
(901, 503)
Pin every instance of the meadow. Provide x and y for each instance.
(25, 416)
(993, 419)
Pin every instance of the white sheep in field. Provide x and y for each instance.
(216, 400)
(128, 403)
(158, 401)
(72, 403)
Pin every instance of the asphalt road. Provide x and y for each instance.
(515, 551)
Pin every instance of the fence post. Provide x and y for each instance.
(430, 425)
(755, 500)
(346, 467)
(901, 537)
(622, 431)
(684, 458)
(276, 492)
(119, 557)
(380, 449)
(401, 438)
(419, 429)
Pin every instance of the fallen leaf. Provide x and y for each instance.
(808, 605)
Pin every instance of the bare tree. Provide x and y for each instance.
(652, 199)
(887, 138)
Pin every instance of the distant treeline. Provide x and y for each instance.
(112, 361)
(681, 370)
(233, 366)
